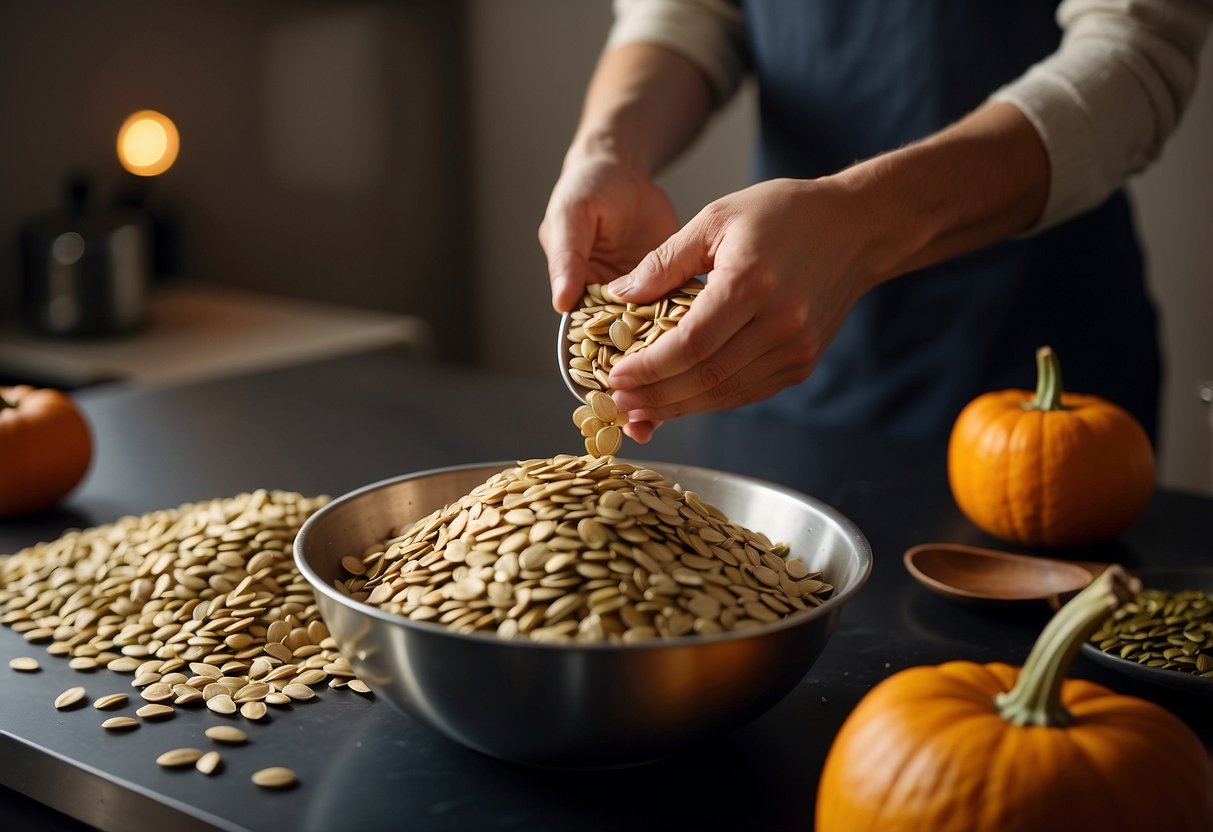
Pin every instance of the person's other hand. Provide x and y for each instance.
(783, 260)
(602, 218)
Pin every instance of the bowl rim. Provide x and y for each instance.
(859, 541)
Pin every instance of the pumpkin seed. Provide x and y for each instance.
(311, 677)
(155, 711)
(69, 698)
(253, 710)
(221, 704)
(298, 692)
(186, 695)
(229, 734)
(25, 664)
(208, 763)
(179, 757)
(120, 723)
(112, 700)
(274, 777)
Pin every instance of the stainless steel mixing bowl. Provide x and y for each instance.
(582, 705)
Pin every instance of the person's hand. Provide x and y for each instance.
(602, 218)
(784, 268)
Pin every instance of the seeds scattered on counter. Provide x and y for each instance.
(179, 757)
(24, 664)
(274, 777)
(205, 594)
(69, 698)
(603, 329)
(229, 734)
(202, 603)
(1168, 630)
(208, 763)
(584, 549)
(109, 701)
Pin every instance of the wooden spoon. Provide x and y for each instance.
(974, 574)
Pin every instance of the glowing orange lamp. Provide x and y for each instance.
(148, 143)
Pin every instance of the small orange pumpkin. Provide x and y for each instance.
(45, 448)
(1052, 469)
(965, 747)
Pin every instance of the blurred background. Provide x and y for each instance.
(360, 173)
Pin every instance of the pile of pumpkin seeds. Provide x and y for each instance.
(1170, 630)
(201, 605)
(602, 330)
(582, 549)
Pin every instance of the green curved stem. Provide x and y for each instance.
(1048, 382)
(1036, 697)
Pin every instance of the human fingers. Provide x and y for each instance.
(719, 312)
(685, 254)
(783, 366)
(641, 431)
(716, 373)
(567, 237)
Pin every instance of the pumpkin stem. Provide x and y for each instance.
(1048, 382)
(1036, 697)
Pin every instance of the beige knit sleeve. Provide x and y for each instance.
(709, 33)
(1105, 102)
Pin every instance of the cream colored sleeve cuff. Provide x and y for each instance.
(1106, 101)
(708, 33)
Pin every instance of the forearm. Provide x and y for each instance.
(1107, 100)
(970, 185)
(644, 104)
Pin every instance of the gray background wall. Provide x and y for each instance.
(399, 155)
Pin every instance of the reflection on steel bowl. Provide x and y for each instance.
(579, 704)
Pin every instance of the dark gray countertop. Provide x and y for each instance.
(334, 426)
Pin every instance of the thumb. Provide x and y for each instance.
(684, 255)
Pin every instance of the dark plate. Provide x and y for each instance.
(1173, 579)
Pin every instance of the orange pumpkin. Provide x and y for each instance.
(45, 448)
(1052, 469)
(992, 748)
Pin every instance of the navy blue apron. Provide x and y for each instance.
(843, 80)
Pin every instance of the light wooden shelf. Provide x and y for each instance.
(200, 331)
